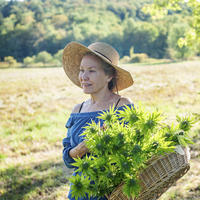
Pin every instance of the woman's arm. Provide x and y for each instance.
(79, 151)
(68, 152)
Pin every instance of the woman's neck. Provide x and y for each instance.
(100, 101)
(101, 97)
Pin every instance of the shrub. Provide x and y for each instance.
(135, 58)
(10, 60)
(43, 57)
(138, 58)
(29, 60)
(125, 59)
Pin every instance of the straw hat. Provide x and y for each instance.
(74, 52)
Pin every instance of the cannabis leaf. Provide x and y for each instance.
(123, 147)
(185, 123)
(79, 186)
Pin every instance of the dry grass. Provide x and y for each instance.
(35, 104)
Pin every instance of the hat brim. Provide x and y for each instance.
(72, 56)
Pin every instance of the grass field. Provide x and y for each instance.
(35, 104)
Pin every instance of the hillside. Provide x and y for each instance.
(49, 25)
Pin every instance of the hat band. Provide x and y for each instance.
(103, 55)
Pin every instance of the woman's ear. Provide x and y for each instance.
(109, 79)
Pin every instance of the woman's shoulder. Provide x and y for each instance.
(124, 101)
(77, 108)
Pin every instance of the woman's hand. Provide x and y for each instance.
(103, 127)
(79, 151)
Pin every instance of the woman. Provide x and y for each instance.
(94, 69)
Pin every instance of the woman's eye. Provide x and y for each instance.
(91, 71)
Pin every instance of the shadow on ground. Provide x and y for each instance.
(18, 181)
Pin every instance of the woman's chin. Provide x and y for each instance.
(87, 91)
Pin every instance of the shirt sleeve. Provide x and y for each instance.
(68, 160)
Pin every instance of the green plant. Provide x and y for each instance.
(138, 58)
(121, 149)
(10, 60)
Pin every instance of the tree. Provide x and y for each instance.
(161, 8)
(58, 55)
(48, 25)
(174, 50)
(141, 35)
(43, 57)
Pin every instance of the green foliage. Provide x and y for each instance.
(135, 57)
(186, 122)
(29, 60)
(161, 8)
(79, 186)
(50, 25)
(175, 50)
(58, 55)
(10, 60)
(43, 57)
(138, 58)
(120, 149)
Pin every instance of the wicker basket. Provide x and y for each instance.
(160, 174)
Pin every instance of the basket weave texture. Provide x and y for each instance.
(159, 175)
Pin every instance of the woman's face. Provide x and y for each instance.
(92, 76)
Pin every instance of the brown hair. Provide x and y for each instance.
(108, 70)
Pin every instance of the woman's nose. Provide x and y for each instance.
(84, 76)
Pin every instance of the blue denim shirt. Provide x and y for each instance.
(75, 125)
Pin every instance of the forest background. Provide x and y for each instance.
(34, 32)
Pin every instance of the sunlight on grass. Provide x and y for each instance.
(35, 105)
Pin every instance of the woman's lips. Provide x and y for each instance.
(86, 84)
